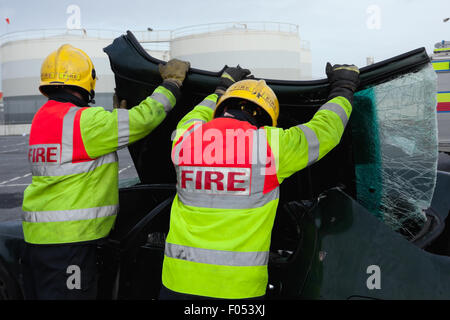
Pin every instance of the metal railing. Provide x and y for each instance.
(55, 33)
(232, 26)
(151, 36)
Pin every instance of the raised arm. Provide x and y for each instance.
(104, 132)
(305, 144)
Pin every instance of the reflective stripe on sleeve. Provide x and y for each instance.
(217, 257)
(123, 130)
(336, 108)
(70, 215)
(194, 120)
(161, 98)
(208, 103)
(313, 143)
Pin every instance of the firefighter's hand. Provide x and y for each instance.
(117, 105)
(174, 71)
(229, 76)
(343, 76)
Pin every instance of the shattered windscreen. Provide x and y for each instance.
(395, 147)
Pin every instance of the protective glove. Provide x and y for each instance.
(174, 71)
(117, 105)
(229, 76)
(344, 80)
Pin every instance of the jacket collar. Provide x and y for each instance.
(62, 96)
(239, 115)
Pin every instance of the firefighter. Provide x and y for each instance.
(72, 201)
(230, 159)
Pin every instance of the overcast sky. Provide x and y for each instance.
(339, 31)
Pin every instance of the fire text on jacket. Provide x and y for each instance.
(215, 180)
(44, 153)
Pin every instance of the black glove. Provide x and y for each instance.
(230, 76)
(344, 80)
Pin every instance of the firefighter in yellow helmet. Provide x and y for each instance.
(69, 67)
(72, 201)
(230, 159)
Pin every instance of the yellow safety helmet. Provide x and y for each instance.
(255, 91)
(68, 66)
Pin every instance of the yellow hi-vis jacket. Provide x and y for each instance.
(228, 176)
(74, 195)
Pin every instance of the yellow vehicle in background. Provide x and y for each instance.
(441, 64)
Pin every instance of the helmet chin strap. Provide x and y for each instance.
(91, 96)
(86, 97)
(240, 115)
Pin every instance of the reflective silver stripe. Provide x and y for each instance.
(123, 129)
(194, 120)
(70, 215)
(65, 169)
(259, 150)
(336, 109)
(208, 103)
(67, 135)
(161, 98)
(217, 257)
(226, 201)
(313, 144)
(177, 149)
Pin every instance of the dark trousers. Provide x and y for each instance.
(60, 272)
(167, 294)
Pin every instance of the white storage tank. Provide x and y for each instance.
(22, 54)
(269, 50)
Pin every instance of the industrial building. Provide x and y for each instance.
(270, 50)
(441, 64)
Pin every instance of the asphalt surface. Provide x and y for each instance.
(15, 174)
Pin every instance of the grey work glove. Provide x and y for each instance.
(117, 105)
(174, 71)
(229, 76)
(344, 80)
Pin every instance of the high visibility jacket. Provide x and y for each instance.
(73, 196)
(228, 177)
